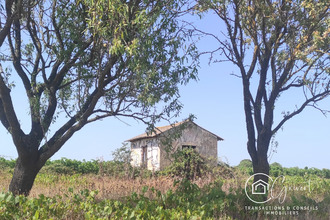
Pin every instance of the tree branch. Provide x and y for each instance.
(10, 17)
(300, 109)
(7, 110)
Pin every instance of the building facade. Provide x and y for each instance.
(154, 150)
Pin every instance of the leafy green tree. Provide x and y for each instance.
(245, 166)
(122, 154)
(279, 47)
(86, 60)
(245, 163)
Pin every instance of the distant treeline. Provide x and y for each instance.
(276, 169)
(118, 168)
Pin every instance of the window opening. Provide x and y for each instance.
(188, 146)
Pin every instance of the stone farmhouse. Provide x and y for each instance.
(148, 149)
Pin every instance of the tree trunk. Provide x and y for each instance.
(261, 166)
(260, 159)
(24, 175)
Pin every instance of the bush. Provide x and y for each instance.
(326, 173)
(68, 166)
(245, 163)
(7, 164)
(276, 169)
(245, 166)
(188, 164)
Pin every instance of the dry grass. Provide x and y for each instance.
(4, 181)
(52, 185)
(109, 187)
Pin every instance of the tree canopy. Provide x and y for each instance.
(89, 60)
(278, 46)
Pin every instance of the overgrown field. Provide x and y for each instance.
(69, 189)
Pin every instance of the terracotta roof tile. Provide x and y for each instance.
(159, 130)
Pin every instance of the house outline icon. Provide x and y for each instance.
(263, 184)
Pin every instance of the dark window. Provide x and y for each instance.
(188, 146)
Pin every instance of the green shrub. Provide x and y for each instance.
(245, 166)
(68, 166)
(187, 164)
(113, 168)
(276, 169)
(7, 164)
(245, 163)
(326, 173)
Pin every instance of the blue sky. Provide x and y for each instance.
(216, 100)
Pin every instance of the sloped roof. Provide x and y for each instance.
(160, 130)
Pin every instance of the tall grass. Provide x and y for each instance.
(69, 189)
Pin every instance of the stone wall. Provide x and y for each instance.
(153, 152)
(191, 135)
